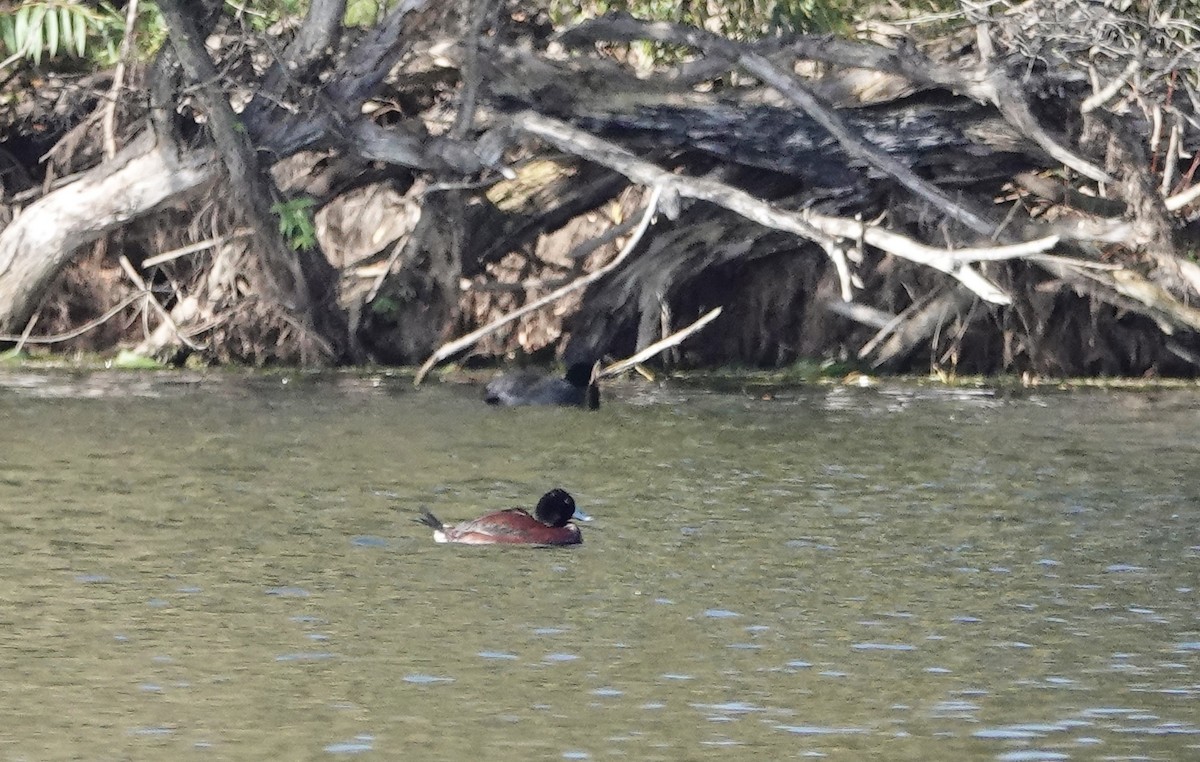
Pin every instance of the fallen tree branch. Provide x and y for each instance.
(42, 240)
(1061, 193)
(860, 313)
(251, 189)
(456, 346)
(984, 86)
(1154, 296)
(183, 251)
(944, 260)
(1002, 91)
(912, 327)
(114, 93)
(1182, 199)
(1105, 94)
(665, 343)
(77, 332)
(133, 275)
(821, 229)
(790, 87)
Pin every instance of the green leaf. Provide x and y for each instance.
(9, 33)
(50, 32)
(37, 31)
(130, 360)
(36, 45)
(304, 239)
(13, 356)
(66, 28)
(81, 36)
(383, 305)
(21, 32)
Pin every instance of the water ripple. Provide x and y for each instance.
(733, 707)
(305, 656)
(560, 657)
(817, 730)
(287, 592)
(358, 745)
(419, 679)
(720, 614)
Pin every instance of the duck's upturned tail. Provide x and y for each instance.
(428, 519)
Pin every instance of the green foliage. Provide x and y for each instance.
(296, 222)
(130, 360)
(365, 12)
(50, 27)
(62, 29)
(150, 31)
(737, 19)
(384, 305)
(261, 14)
(13, 356)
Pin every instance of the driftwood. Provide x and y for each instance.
(454, 347)
(1166, 305)
(150, 172)
(826, 231)
(959, 192)
(659, 346)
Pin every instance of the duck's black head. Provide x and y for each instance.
(585, 376)
(579, 374)
(555, 508)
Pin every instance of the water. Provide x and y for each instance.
(222, 567)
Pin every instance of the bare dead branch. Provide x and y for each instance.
(74, 333)
(661, 345)
(114, 93)
(791, 87)
(133, 275)
(456, 346)
(821, 229)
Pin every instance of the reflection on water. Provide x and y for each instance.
(228, 566)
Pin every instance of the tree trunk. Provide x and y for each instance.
(301, 284)
(45, 236)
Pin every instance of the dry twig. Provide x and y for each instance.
(456, 346)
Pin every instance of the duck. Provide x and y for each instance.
(578, 388)
(550, 524)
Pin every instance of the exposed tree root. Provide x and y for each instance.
(1016, 194)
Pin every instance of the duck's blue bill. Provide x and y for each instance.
(581, 516)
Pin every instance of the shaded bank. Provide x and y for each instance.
(967, 200)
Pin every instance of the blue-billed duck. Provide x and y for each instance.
(549, 524)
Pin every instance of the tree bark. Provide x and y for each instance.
(45, 236)
(302, 286)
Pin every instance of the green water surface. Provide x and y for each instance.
(226, 567)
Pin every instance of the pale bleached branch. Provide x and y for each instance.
(133, 275)
(662, 344)
(821, 229)
(454, 347)
(1182, 199)
(183, 251)
(25, 338)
